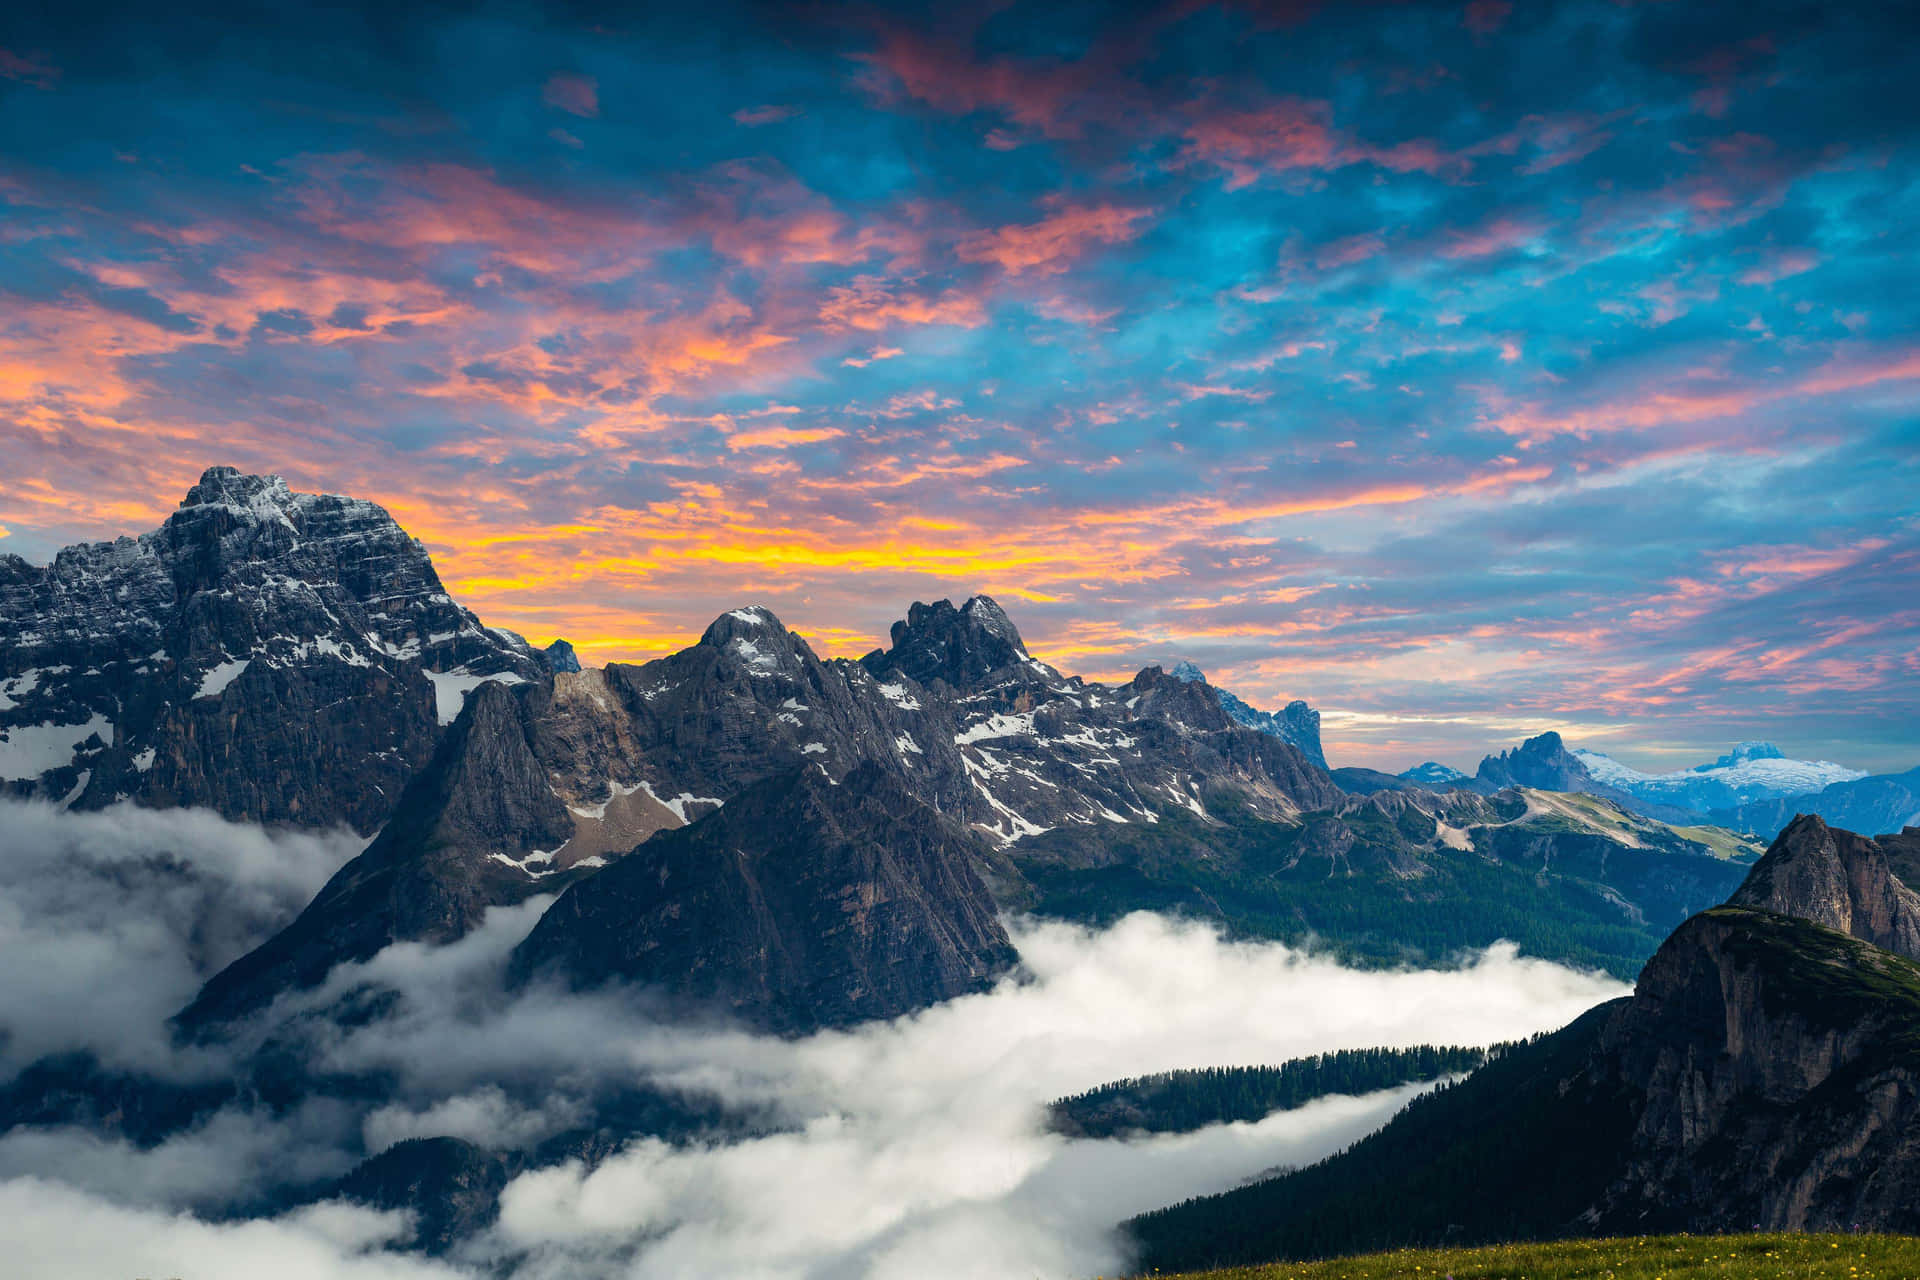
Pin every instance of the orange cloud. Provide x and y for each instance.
(1048, 246)
(781, 437)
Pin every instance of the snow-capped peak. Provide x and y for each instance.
(1751, 771)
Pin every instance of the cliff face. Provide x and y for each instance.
(1780, 1066)
(1838, 879)
(1777, 1043)
(476, 828)
(805, 903)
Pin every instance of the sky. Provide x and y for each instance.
(1467, 369)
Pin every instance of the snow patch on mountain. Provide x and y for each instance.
(27, 751)
(450, 690)
(220, 675)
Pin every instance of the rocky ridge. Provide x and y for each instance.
(540, 783)
(1297, 722)
(804, 903)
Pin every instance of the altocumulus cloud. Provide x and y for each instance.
(911, 1148)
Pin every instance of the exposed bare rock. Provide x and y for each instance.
(477, 828)
(804, 903)
(1837, 879)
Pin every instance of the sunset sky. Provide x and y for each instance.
(1466, 369)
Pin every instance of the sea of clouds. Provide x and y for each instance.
(913, 1148)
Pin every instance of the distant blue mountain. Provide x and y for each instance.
(1752, 771)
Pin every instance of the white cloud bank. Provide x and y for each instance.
(110, 921)
(914, 1148)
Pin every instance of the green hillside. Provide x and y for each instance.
(1749, 1257)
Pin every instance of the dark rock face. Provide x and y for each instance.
(1780, 1072)
(267, 654)
(451, 1186)
(561, 657)
(1837, 879)
(1878, 805)
(1543, 762)
(1296, 722)
(475, 829)
(803, 904)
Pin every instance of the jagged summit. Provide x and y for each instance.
(561, 657)
(752, 622)
(1542, 762)
(229, 486)
(1184, 670)
(959, 647)
(1741, 754)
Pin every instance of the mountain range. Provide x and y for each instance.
(1752, 771)
(744, 833)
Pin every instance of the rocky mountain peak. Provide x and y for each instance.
(1837, 879)
(753, 622)
(277, 656)
(758, 641)
(1297, 723)
(961, 647)
(231, 487)
(1541, 762)
(561, 657)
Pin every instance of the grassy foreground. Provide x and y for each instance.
(1760, 1257)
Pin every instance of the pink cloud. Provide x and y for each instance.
(576, 93)
(870, 303)
(1293, 133)
(781, 437)
(1047, 246)
(1780, 265)
(1495, 236)
(753, 117)
(29, 69)
(1349, 250)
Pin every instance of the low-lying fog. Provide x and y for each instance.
(909, 1149)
